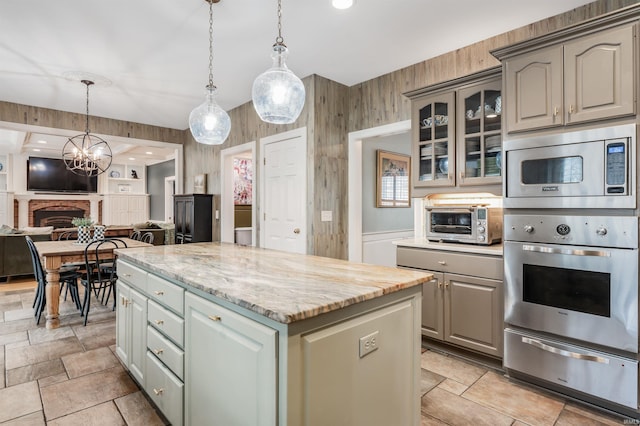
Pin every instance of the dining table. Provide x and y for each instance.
(54, 254)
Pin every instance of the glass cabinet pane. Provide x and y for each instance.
(426, 123)
(426, 162)
(473, 113)
(493, 155)
(492, 110)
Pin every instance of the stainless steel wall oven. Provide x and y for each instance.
(571, 265)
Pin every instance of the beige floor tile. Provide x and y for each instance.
(2, 368)
(98, 334)
(452, 386)
(18, 314)
(103, 414)
(33, 372)
(41, 334)
(8, 299)
(430, 421)
(34, 354)
(83, 392)
(589, 414)
(517, 401)
(137, 411)
(82, 363)
(33, 419)
(429, 380)
(456, 410)
(19, 336)
(52, 380)
(451, 367)
(20, 400)
(20, 344)
(19, 325)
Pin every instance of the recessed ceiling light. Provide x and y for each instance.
(131, 158)
(342, 4)
(36, 149)
(42, 141)
(149, 153)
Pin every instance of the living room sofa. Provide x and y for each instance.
(15, 258)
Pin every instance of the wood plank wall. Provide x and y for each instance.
(380, 101)
(36, 116)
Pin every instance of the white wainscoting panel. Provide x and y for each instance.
(377, 248)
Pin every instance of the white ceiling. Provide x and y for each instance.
(153, 54)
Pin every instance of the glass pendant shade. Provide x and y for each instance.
(209, 123)
(278, 95)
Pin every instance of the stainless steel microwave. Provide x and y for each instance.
(584, 169)
(464, 224)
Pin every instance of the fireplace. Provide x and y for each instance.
(58, 218)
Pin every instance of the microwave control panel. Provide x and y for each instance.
(616, 166)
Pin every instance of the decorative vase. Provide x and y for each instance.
(98, 232)
(84, 235)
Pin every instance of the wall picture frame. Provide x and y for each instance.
(393, 172)
(200, 184)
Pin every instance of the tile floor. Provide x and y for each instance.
(71, 376)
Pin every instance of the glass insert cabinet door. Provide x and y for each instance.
(480, 150)
(434, 124)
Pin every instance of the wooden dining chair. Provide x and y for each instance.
(147, 237)
(68, 277)
(136, 235)
(100, 276)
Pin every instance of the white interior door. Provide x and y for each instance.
(284, 192)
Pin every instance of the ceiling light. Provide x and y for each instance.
(42, 141)
(149, 153)
(132, 159)
(87, 154)
(342, 4)
(278, 95)
(36, 149)
(209, 123)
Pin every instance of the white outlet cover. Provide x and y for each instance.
(326, 216)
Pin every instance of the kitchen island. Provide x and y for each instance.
(224, 334)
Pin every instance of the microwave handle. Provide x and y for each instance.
(585, 357)
(556, 250)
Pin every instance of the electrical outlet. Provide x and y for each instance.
(369, 343)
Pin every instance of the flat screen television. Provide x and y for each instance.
(51, 174)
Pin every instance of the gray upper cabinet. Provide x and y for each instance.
(456, 128)
(585, 79)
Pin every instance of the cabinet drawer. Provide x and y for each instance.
(164, 389)
(167, 352)
(445, 261)
(167, 322)
(166, 293)
(132, 275)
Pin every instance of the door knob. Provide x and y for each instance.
(296, 231)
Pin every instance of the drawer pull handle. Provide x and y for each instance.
(126, 275)
(158, 351)
(556, 110)
(538, 344)
(442, 262)
(159, 322)
(158, 391)
(446, 285)
(159, 293)
(440, 284)
(215, 318)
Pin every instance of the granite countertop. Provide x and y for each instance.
(492, 250)
(282, 286)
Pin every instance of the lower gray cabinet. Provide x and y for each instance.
(165, 389)
(131, 329)
(230, 367)
(463, 304)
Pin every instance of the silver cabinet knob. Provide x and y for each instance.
(528, 229)
(601, 231)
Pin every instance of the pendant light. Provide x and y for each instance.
(278, 95)
(209, 123)
(87, 154)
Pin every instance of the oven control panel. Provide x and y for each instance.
(597, 231)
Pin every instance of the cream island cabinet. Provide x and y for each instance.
(222, 334)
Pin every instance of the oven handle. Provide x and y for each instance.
(555, 250)
(562, 352)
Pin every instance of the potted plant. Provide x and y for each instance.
(83, 224)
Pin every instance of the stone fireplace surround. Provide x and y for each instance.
(28, 204)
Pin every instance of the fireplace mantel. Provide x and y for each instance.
(24, 198)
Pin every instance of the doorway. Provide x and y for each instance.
(355, 174)
(238, 194)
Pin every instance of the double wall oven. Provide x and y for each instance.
(571, 264)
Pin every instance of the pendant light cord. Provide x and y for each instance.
(87, 83)
(279, 39)
(210, 44)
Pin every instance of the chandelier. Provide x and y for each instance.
(87, 154)
(209, 123)
(278, 95)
